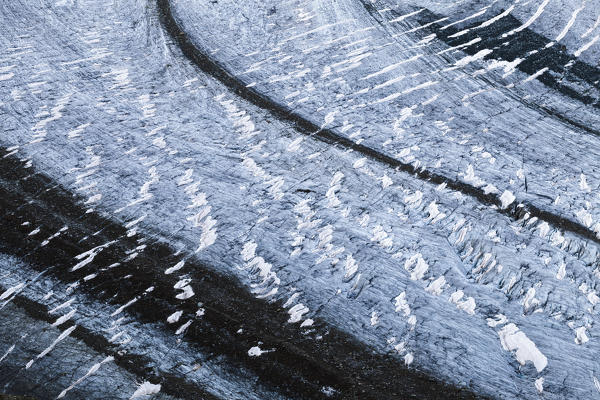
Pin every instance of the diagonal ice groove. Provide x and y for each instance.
(421, 269)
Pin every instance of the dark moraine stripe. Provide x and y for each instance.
(300, 367)
(212, 67)
(136, 364)
(515, 46)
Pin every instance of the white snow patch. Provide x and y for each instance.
(401, 304)
(174, 268)
(297, 312)
(513, 339)
(507, 198)
(48, 349)
(539, 384)
(174, 317)
(562, 270)
(437, 286)
(582, 336)
(417, 267)
(583, 185)
(90, 372)
(477, 56)
(257, 351)
(145, 389)
(183, 327)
